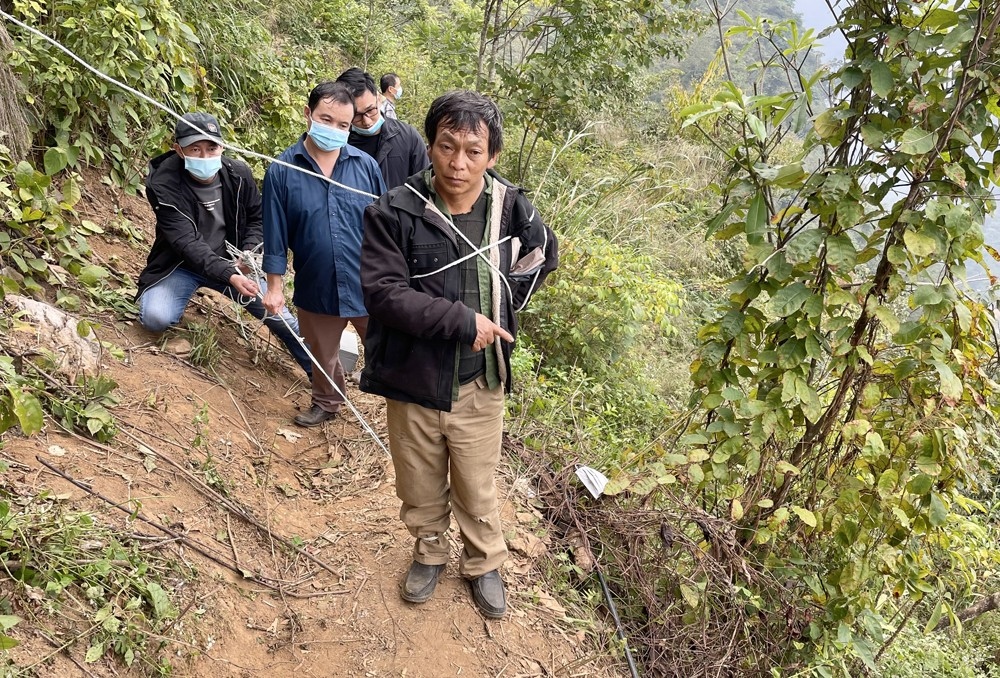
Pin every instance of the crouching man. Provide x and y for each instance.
(203, 200)
(446, 260)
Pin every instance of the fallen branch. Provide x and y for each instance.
(986, 604)
(187, 541)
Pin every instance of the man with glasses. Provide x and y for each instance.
(397, 147)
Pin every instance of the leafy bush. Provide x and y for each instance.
(256, 87)
(68, 564)
(972, 654)
(843, 396)
(80, 117)
(604, 309)
(48, 251)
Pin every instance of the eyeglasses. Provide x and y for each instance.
(369, 113)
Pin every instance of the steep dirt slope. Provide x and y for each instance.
(214, 457)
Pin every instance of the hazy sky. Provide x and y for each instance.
(816, 15)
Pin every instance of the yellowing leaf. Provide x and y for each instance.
(784, 467)
(698, 455)
(690, 595)
(919, 244)
(27, 409)
(951, 385)
(617, 484)
(736, 510)
(805, 515)
(887, 481)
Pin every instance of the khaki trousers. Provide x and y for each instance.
(322, 333)
(426, 445)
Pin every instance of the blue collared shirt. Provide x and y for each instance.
(322, 225)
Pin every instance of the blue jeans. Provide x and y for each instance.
(162, 305)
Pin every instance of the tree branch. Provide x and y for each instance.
(987, 604)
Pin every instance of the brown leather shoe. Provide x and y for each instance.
(420, 582)
(315, 416)
(488, 592)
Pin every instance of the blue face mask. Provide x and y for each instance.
(327, 138)
(203, 168)
(399, 92)
(371, 130)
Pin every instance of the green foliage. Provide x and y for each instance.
(83, 119)
(613, 307)
(200, 444)
(43, 242)
(564, 62)
(969, 655)
(754, 58)
(601, 419)
(593, 351)
(844, 394)
(36, 231)
(255, 86)
(68, 565)
(205, 349)
(85, 408)
(18, 403)
(46, 251)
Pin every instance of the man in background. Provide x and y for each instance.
(321, 223)
(397, 147)
(392, 89)
(202, 201)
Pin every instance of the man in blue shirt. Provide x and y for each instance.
(321, 223)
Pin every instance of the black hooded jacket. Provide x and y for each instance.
(416, 324)
(180, 237)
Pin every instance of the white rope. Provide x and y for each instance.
(476, 251)
(465, 258)
(249, 260)
(480, 252)
(167, 110)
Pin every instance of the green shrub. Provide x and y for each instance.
(81, 118)
(605, 307)
(972, 654)
(68, 564)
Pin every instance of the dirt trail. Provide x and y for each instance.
(328, 489)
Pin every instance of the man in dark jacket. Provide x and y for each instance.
(446, 261)
(396, 146)
(203, 200)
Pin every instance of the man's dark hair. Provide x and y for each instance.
(465, 111)
(337, 92)
(388, 80)
(357, 81)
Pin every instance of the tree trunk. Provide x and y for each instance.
(12, 120)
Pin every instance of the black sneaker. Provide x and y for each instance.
(420, 582)
(315, 416)
(488, 592)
